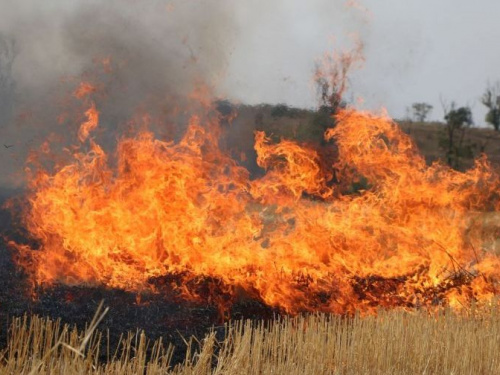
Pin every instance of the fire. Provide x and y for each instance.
(391, 231)
(90, 124)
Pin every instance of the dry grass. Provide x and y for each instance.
(392, 343)
(427, 137)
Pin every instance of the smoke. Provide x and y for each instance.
(147, 57)
(7, 85)
(158, 52)
(282, 40)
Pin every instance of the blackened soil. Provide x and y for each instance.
(159, 315)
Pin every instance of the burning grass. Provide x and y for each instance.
(374, 227)
(390, 343)
(405, 238)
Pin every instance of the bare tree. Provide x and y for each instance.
(331, 78)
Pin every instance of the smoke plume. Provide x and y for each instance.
(145, 57)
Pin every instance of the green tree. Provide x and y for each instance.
(421, 111)
(491, 99)
(458, 120)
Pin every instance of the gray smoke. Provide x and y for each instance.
(251, 51)
(159, 51)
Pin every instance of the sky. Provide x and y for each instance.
(265, 50)
(415, 51)
(251, 51)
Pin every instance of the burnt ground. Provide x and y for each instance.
(159, 315)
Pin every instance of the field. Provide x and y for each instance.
(428, 135)
(231, 238)
(308, 126)
(391, 343)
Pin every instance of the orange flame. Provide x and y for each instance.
(89, 125)
(392, 232)
(84, 90)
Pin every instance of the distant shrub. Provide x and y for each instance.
(224, 107)
(279, 110)
(283, 110)
(421, 111)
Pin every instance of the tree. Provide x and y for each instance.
(491, 99)
(421, 111)
(280, 110)
(457, 121)
(331, 78)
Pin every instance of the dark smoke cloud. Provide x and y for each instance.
(159, 51)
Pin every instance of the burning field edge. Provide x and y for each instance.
(181, 238)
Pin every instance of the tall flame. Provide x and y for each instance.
(409, 235)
